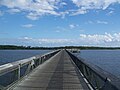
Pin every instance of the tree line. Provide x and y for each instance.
(14, 47)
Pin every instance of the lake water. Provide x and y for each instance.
(7, 56)
(108, 60)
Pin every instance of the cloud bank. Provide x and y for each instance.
(37, 8)
(89, 40)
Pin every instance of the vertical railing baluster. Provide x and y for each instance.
(19, 66)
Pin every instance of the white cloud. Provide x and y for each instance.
(26, 38)
(79, 11)
(28, 25)
(54, 41)
(105, 39)
(12, 11)
(63, 4)
(73, 26)
(33, 16)
(36, 8)
(97, 22)
(85, 5)
(102, 22)
(94, 4)
(110, 13)
(101, 39)
(45, 42)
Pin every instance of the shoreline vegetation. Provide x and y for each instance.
(14, 47)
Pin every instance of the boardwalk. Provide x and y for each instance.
(57, 73)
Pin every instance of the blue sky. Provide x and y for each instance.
(60, 22)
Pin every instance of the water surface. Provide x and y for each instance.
(7, 56)
(108, 60)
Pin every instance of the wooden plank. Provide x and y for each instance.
(57, 73)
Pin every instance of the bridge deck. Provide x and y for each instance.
(58, 73)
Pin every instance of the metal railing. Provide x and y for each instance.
(12, 72)
(97, 78)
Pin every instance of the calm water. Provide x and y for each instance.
(14, 55)
(108, 60)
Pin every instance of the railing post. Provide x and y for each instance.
(19, 71)
(28, 68)
(15, 71)
(41, 59)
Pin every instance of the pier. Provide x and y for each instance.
(58, 73)
(57, 70)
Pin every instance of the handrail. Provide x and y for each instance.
(12, 72)
(97, 77)
(10, 66)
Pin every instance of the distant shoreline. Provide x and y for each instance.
(14, 47)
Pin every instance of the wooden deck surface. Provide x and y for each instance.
(57, 73)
